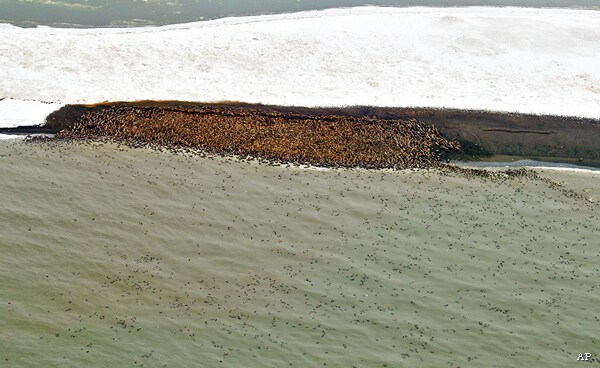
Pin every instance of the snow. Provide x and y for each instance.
(19, 113)
(505, 59)
(8, 136)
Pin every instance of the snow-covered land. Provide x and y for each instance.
(507, 59)
(17, 112)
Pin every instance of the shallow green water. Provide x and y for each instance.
(132, 257)
(101, 13)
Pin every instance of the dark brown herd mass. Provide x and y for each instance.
(285, 137)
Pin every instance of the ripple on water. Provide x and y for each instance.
(120, 256)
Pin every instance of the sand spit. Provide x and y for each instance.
(286, 137)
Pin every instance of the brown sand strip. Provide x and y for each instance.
(287, 137)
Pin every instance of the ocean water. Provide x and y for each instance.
(102, 13)
(130, 257)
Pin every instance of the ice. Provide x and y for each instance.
(505, 59)
(15, 113)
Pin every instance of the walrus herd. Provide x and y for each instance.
(319, 140)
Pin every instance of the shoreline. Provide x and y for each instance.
(317, 13)
(23, 24)
(481, 134)
(267, 133)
